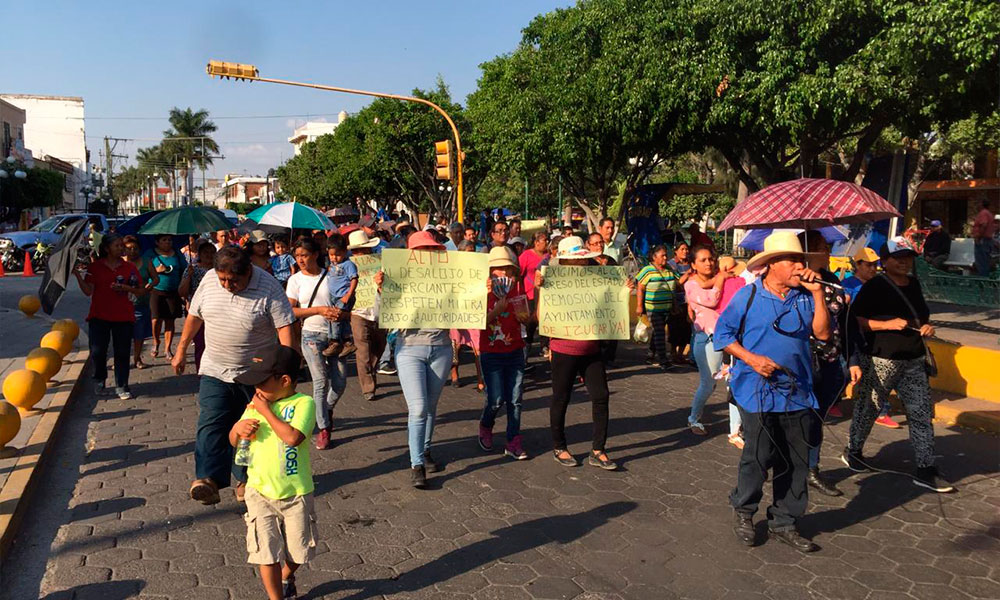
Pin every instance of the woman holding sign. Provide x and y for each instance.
(570, 358)
(501, 349)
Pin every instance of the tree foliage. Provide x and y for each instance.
(41, 187)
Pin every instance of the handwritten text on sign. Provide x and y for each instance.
(584, 303)
(434, 290)
(368, 265)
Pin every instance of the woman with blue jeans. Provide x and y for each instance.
(309, 296)
(704, 293)
(501, 350)
(423, 358)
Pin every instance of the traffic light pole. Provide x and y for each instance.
(250, 73)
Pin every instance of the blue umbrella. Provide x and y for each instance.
(146, 242)
(754, 239)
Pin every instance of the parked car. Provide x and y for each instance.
(39, 240)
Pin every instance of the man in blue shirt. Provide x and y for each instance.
(766, 327)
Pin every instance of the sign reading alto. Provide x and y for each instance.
(433, 289)
(584, 303)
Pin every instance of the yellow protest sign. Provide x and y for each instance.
(530, 227)
(368, 265)
(584, 303)
(434, 290)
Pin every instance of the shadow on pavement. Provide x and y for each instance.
(107, 590)
(506, 541)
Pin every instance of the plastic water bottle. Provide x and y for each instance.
(243, 453)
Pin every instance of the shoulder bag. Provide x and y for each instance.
(930, 365)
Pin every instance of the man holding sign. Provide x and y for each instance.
(369, 339)
(579, 304)
(425, 291)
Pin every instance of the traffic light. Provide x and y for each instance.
(218, 68)
(442, 160)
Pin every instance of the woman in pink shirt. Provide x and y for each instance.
(530, 261)
(704, 292)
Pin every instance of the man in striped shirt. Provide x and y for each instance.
(246, 315)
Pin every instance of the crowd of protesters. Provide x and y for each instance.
(781, 332)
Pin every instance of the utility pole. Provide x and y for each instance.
(109, 155)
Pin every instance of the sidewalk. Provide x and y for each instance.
(115, 521)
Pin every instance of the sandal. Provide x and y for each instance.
(601, 460)
(156, 351)
(566, 462)
(139, 365)
(480, 386)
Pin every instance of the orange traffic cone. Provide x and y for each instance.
(29, 271)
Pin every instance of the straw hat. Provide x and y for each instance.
(728, 263)
(779, 243)
(423, 239)
(359, 239)
(572, 247)
(866, 254)
(502, 256)
(257, 236)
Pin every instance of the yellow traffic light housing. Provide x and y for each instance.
(225, 70)
(442, 160)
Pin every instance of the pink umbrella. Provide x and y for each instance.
(808, 204)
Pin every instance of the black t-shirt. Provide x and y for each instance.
(877, 300)
(938, 242)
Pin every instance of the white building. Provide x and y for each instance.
(312, 130)
(54, 128)
(250, 189)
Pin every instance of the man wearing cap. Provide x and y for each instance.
(456, 233)
(767, 327)
(937, 246)
(865, 267)
(246, 315)
(368, 224)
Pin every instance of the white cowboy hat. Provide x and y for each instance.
(257, 236)
(572, 247)
(359, 239)
(779, 243)
(502, 256)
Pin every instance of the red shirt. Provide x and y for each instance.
(529, 261)
(504, 333)
(105, 303)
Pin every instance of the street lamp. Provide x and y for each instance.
(238, 71)
(86, 191)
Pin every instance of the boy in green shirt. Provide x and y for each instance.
(281, 520)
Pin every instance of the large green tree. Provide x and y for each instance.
(189, 142)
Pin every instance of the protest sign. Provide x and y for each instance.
(368, 265)
(530, 227)
(584, 303)
(437, 290)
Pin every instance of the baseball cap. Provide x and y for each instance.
(866, 254)
(935, 223)
(273, 361)
(897, 247)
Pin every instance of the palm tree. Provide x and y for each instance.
(189, 139)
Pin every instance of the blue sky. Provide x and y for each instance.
(140, 58)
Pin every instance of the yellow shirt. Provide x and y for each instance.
(277, 470)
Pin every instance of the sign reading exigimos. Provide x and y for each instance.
(584, 303)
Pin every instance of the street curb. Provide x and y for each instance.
(16, 493)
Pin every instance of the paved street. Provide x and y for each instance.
(112, 519)
(73, 305)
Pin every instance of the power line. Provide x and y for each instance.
(307, 115)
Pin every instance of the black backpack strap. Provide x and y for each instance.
(743, 319)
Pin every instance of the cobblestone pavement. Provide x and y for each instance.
(112, 518)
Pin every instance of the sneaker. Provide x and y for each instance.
(123, 393)
(333, 349)
(514, 449)
(323, 439)
(387, 370)
(887, 421)
(288, 591)
(854, 461)
(485, 439)
(835, 412)
(928, 477)
(736, 440)
(100, 389)
(566, 462)
(431, 465)
(697, 428)
(348, 349)
(418, 478)
(602, 461)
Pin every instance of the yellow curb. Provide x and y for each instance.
(967, 370)
(16, 492)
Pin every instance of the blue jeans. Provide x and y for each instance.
(220, 405)
(337, 330)
(386, 359)
(983, 250)
(119, 335)
(828, 384)
(709, 362)
(503, 373)
(329, 375)
(422, 373)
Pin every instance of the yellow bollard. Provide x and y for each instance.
(29, 305)
(67, 326)
(10, 424)
(44, 361)
(58, 341)
(23, 389)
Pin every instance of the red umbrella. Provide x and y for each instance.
(808, 204)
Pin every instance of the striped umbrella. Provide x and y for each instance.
(808, 204)
(291, 215)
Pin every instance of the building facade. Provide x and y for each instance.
(245, 189)
(54, 129)
(312, 130)
(12, 121)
